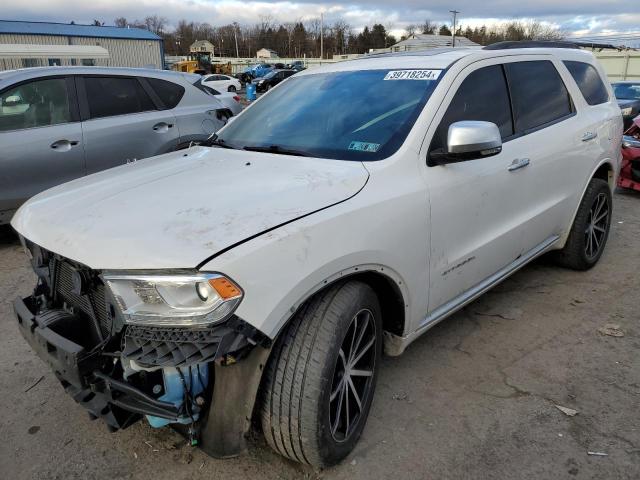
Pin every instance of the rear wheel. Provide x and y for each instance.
(232, 89)
(590, 229)
(320, 380)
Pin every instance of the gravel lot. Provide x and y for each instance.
(474, 398)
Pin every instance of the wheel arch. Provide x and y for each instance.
(604, 171)
(386, 284)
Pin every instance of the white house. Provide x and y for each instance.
(266, 53)
(202, 46)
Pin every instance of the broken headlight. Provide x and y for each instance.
(190, 299)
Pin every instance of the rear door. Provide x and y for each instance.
(40, 138)
(123, 120)
(548, 136)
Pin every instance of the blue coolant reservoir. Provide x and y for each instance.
(196, 378)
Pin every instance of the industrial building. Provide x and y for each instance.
(34, 44)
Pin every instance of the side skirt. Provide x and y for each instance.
(395, 345)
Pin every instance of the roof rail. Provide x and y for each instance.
(530, 44)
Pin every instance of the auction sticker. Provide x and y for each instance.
(413, 75)
(364, 146)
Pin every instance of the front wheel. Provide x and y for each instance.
(590, 229)
(320, 380)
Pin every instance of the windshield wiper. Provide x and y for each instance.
(216, 142)
(276, 149)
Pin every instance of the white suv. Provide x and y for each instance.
(342, 215)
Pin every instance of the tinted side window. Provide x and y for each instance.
(35, 104)
(483, 96)
(589, 82)
(538, 94)
(109, 96)
(170, 93)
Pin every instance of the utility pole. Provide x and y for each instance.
(455, 14)
(321, 36)
(235, 35)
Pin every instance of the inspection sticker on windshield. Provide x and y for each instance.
(364, 146)
(413, 75)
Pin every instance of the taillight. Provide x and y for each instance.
(236, 98)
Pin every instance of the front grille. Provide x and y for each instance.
(92, 304)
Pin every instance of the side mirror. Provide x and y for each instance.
(468, 140)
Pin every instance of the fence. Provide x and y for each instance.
(620, 65)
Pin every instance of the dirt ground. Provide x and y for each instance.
(474, 398)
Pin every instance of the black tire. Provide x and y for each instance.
(580, 252)
(299, 418)
(231, 89)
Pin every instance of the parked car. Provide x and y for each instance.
(259, 70)
(230, 100)
(60, 123)
(630, 167)
(271, 79)
(297, 65)
(275, 264)
(222, 83)
(628, 95)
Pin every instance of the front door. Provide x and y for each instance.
(477, 212)
(40, 137)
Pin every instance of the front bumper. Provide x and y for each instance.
(81, 372)
(94, 377)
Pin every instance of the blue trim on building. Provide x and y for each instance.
(68, 30)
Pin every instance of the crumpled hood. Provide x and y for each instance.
(178, 209)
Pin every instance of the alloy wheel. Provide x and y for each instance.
(353, 375)
(595, 233)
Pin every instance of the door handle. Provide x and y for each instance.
(586, 136)
(63, 145)
(162, 127)
(519, 163)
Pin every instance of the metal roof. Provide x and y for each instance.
(69, 30)
(432, 41)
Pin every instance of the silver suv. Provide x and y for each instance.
(59, 123)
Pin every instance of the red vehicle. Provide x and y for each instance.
(630, 168)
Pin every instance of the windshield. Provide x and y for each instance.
(270, 75)
(362, 115)
(627, 91)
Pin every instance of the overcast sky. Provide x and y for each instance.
(576, 17)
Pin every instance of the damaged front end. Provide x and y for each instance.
(125, 347)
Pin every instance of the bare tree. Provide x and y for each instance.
(429, 27)
(155, 24)
(411, 29)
